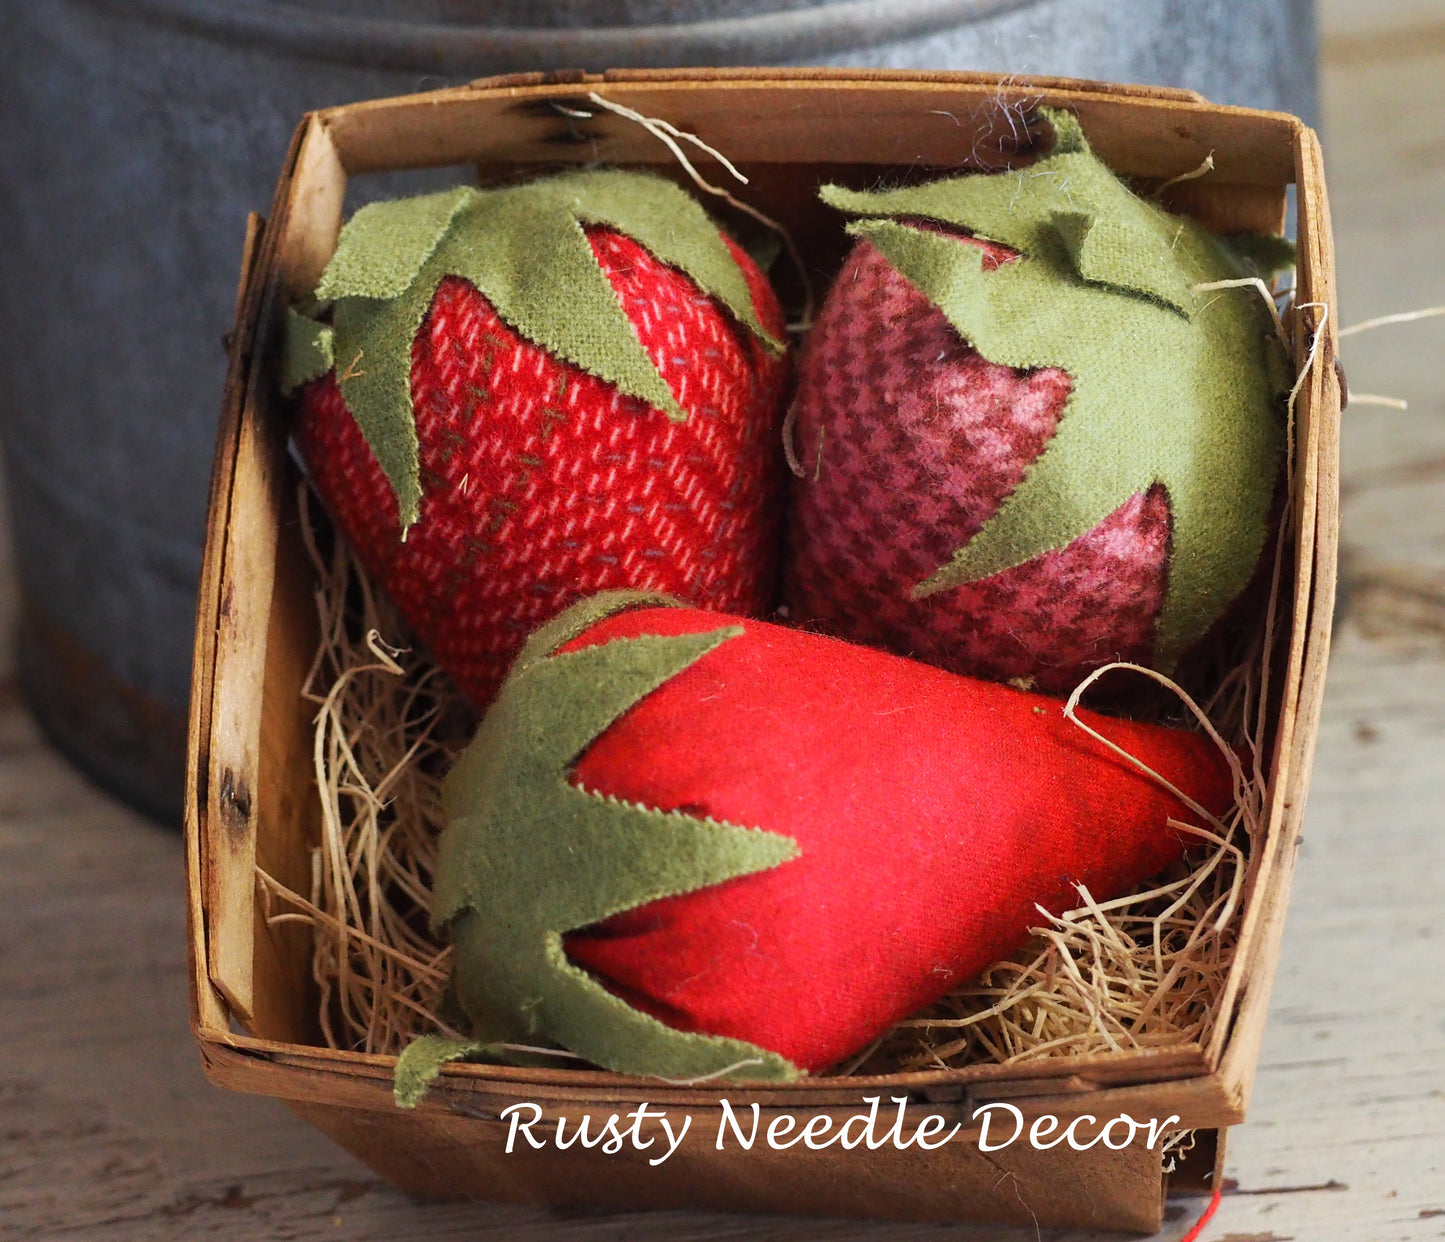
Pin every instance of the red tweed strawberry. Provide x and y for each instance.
(1030, 442)
(538, 479)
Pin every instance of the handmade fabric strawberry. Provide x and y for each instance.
(1029, 445)
(684, 843)
(510, 398)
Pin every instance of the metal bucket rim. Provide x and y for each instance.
(433, 47)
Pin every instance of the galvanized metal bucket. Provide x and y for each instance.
(135, 136)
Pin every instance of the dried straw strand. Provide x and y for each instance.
(387, 727)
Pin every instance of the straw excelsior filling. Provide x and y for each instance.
(1142, 971)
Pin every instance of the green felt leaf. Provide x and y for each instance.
(576, 620)
(1267, 253)
(306, 351)
(1168, 386)
(525, 249)
(421, 1061)
(383, 246)
(672, 224)
(374, 375)
(1107, 251)
(1068, 133)
(527, 857)
(1111, 236)
(764, 248)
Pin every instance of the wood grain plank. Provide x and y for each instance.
(1236, 1041)
(206, 1004)
(881, 120)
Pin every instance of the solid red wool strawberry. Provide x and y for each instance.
(683, 841)
(1030, 444)
(535, 393)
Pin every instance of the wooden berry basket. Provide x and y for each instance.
(251, 796)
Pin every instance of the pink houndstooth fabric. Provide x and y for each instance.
(910, 441)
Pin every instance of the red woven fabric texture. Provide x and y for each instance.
(541, 484)
(932, 811)
(911, 442)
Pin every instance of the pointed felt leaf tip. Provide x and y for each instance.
(383, 247)
(421, 1061)
(1068, 133)
(600, 1026)
(913, 200)
(306, 351)
(1267, 253)
(895, 201)
(581, 616)
(764, 250)
(568, 701)
(1115, 251)
(974, 562)
(948, 273)
(695, 850)
(373, 341)
(525, 250)
(947, 576)
(676, 229)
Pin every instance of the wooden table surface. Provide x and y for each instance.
(109, 1132)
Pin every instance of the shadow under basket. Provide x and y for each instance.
(252, 798)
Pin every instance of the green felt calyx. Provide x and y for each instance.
(528, 856)
(306, 350)
(525, 249)
(1170, 385)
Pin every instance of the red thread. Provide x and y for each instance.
(1194, 1234)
